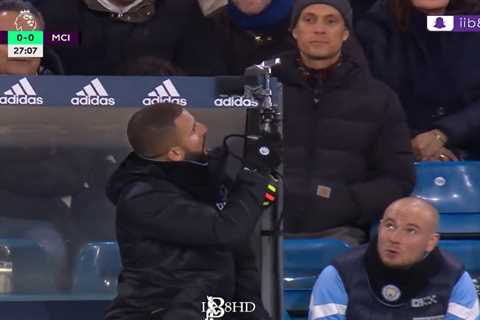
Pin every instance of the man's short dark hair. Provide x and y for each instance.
(151, 130)
(20, 5)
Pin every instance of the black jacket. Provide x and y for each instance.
(176, 247)
(347, 133)
(434, 79)
(177, 32)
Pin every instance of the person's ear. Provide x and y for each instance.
(432, 242)
(176, 154)
(294, 33)
(346, 35)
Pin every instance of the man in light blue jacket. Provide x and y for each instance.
(400, 275)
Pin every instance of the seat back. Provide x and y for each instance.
(33, 270)
(453, 187)
(467, 251)
(304, 259)
(97, 269)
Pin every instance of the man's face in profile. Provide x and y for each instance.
(17, 66)
(405, 235)
(191, 136)
(320, 32)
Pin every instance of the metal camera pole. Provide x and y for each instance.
(259, 87)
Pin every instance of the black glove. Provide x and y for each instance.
(263, 188)
(222, 167)
(264, 154)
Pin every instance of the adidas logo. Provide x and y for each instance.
(164, 93)
(93, 94)
(235, 101)
(21, 93)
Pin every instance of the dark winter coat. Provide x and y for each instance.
(176, 32)
(348, 133)
(176, 247)
(434, 74)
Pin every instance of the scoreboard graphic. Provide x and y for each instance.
(29, 44)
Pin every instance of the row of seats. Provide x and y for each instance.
(453, 187)
(35, 272)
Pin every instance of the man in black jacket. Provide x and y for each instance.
(177, 246)
(347, 150)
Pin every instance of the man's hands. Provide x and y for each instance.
(430, 145)
(263, 187)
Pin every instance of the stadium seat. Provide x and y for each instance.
(454, 189)
(97, 269)
(304, 259)
(33, 269)
(468, 251)
(285, 315)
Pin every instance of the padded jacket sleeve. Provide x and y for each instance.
(167, 213)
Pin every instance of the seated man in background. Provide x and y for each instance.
(115, 31)
(347, 150)
(434, 80)
(177, 244)
(10, 11)
(253, 31)
(258, 30)
(37, 182)
(48, 192)
(402, 275)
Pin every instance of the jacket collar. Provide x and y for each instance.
(292, 72)
(394, 287)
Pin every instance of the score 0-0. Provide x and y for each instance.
(25, 44)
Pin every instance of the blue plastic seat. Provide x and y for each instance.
(285, 315)
(304, 259)
(33, 269)
(467, 251)
(97, 269)
(454, 189)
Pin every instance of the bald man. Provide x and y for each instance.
(402, 275)
(181, 239)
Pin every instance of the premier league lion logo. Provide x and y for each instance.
(25, 21)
